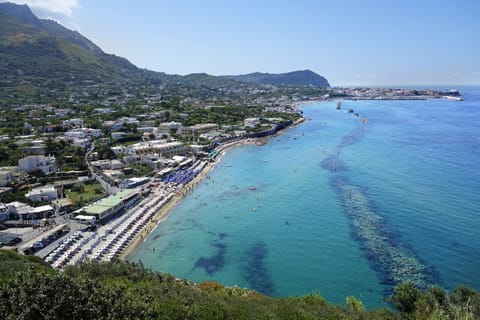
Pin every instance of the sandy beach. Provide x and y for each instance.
(167, 208)
(120, 237)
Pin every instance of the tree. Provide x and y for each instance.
(79, 187)
(9, 154)
(355, 305)
(405, 296)
(462, 294)
(104, 151)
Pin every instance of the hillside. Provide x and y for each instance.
(303, 77)
(30, 289)
(32, 47)
(38, 56)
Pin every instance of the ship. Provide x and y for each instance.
(453, 98)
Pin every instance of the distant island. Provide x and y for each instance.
(294, 78)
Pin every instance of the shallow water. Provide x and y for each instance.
(340, 207)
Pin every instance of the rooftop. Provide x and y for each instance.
(109, 202)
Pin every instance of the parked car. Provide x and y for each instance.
(37, 245)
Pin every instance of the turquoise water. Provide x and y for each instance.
(340, 207)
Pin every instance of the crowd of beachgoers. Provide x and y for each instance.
(119, 236)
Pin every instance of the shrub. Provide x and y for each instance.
(78, 187)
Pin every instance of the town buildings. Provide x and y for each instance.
(46, 164)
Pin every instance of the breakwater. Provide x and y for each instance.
(394, 262)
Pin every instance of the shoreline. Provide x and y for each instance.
(165, 211)
(373, 98)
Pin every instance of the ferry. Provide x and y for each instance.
(453, 98)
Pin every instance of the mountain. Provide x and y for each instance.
(25, 16)
(40, 55)
(302, 77)
(37, 47)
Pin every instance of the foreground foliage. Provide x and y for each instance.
(29, 289)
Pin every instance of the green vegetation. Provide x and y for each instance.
(43, 62)
(138, 170)
(9, 153)
(104, 151)
(224, 115)
(81, 193)
(17, 195)
(302, 77)
(435, 303)
(68, 156)
(29, 289)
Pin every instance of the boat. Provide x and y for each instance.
(252, 188)
(339, 105)
(453, 98)
(363, 120)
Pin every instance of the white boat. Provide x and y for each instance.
(453, 98)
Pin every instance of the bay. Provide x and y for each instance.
(341, 207)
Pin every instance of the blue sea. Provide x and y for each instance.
(341, 207)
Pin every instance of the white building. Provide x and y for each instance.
(163, 149)
(6, 177)
(198, 129)
(147, 129)
(117, 150)
(118, 135)
(73, 123)
(82, 133)
(81, 142)
(153, 161)
(103, 110)
(168, 128)
(129, 120)
(108, 164)
(44, 194)
(47, 164)
(154, 147)
(27, 212)
(251, 122)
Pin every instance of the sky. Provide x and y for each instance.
(350, 42)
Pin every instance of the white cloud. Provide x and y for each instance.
(62, 7)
